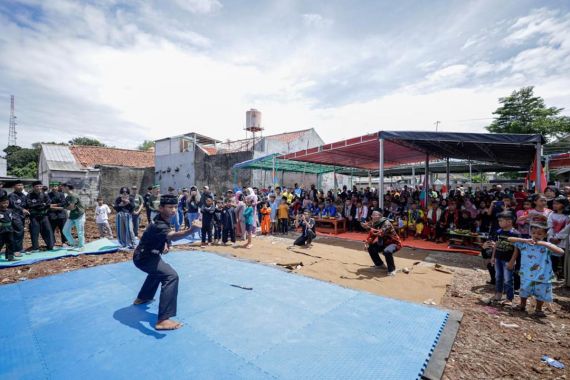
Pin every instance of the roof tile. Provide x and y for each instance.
(90, 156)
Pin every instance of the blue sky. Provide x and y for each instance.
(125, 71)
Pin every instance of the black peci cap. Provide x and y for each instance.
(168, 199)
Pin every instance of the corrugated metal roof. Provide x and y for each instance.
(59, 157)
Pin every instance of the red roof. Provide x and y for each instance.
(211, 150)
(288, 137)
(91, 156)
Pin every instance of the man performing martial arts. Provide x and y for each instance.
(146, 257)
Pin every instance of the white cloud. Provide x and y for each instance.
(125, 77)
(316, 20)
(199, 6)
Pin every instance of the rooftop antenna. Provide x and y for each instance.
(12, 132)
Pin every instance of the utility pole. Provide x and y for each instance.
(12, 131)
(437, 123)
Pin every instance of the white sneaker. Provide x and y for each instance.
(392, 274)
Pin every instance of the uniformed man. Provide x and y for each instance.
(38, 204)
(17, 204)
(154, 202)
(6, 228)
(138, 207)
(57, 214)
(146, 257)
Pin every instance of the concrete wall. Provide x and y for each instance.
(3, 167)
(216, 171)
(112, 178)
(86, 183)
(43, 171)
(176, 170)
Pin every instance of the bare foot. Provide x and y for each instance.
(138, 301)
(168, 324)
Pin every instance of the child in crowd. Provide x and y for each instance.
(283, 216)
(7, 228)
(558, 229)
(274, 204)
(265, 218)
(502, 254)
(228, 222)
(536, 265)
(102, 212)
(207, 210)
(249, 221)
(218, 222)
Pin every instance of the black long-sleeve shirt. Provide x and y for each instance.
(120, 207)
(207, 214)
(37, 203)
(57, 199)
(228, 217)
(18, 203)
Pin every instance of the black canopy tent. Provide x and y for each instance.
(395, 148)
(503, 149)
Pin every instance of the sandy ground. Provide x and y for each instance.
(350, 267)
(483, 348)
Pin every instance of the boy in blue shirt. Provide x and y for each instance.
(536, 265)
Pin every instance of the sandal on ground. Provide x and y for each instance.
(539, 314)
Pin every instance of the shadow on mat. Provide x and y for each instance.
(134, 316)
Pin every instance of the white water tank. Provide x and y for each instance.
(253, 120)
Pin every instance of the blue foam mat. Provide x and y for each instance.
(95, 247)
(81, 324)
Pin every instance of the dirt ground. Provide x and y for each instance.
(484, 347)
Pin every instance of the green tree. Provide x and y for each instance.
(86, 141)
(28, 171)
(523, 112)
(146, 145)
(19, 161)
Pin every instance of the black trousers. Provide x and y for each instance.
(305, 238)
(159, 273)
(7, 239)
(148, 219)
(388, 252)
(40, 225)
(58, 224)
(206, 232)
(228, 232)
(217, 231)
(18, 236)
(284, 225)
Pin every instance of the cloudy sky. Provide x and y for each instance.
(125, 71)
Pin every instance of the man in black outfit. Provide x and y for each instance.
(154, 242)
(56, 214)
(17, 203)
(38, 205)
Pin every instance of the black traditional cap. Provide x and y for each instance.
(168, 199)
(18, 182)
(3, 197)
(506, 215)
(69, 186)
(124, 190)
(36, 183)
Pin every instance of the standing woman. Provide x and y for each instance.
(124, 206)
(240, 208)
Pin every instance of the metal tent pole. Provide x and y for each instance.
(537, 184)
(381, 175)
(426, 180)
(413, 182)
(447, 174)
